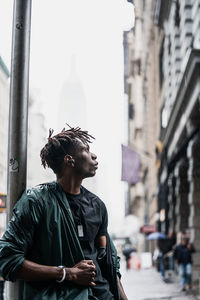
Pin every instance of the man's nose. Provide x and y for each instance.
(93, 156)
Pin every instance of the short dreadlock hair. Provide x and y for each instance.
(53, 153)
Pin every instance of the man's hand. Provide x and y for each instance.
(82, 273)
(122, 293)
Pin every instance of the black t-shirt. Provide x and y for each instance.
(91, 220)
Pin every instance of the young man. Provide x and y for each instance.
(57, 241)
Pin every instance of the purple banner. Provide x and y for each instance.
(131, 164)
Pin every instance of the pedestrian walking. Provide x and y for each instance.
(127, 251)
(57, 241)
(172, 244)
(183, 256)
(165, 247)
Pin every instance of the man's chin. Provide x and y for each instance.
(92, 174)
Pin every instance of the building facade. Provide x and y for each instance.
(141, 85)
(37, 138)
(4, 107)
(178, 25)
(162, 80)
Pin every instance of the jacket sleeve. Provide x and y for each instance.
(18, 237)
(116, 258)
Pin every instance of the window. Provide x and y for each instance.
(164, 117)
(131, 111)
(136, 67)
(161, 66)
(177, 18)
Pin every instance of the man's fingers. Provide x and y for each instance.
(89, 262)
(92, 270)
(92, 283)
(92, 276)
(85, 261)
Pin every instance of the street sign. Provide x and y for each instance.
(148, 228)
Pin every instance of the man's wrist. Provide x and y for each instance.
(61, 274)
(69, 275)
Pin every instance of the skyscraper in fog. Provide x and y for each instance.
(72, 106)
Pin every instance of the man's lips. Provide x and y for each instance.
(96, 166)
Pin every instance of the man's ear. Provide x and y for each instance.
(68, 159)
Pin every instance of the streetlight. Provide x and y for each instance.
(18, 115)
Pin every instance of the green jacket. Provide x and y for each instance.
(42, 230)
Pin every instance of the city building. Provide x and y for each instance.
(141, 85)
(72, 104)
(4, 107)
(37, 135)
(178, 25)
(162, 78)
(37, 138)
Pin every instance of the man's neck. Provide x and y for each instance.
(70, 185)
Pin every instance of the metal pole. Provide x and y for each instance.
(18, 114)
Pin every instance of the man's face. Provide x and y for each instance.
(183, 242)
(85, 161)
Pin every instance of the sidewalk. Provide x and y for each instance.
(148, 285)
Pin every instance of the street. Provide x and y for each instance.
(147, 284)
